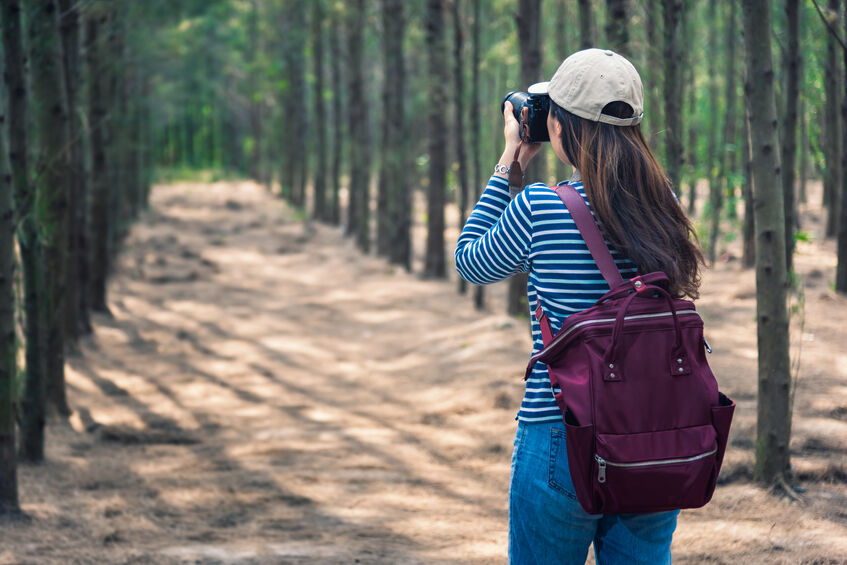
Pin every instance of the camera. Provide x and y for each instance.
(534, 128)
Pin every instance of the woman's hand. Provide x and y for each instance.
(511, 131)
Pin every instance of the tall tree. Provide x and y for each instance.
(254, 109)
(459, 107)
(672, 10)
(338, 117)
(832, 126)
(841, 267)
(98, 72)
(479, 290)
(51, 119)
(76, 322)
(617, 29)
(434, 263)
(33, 400)
(358, 217)
(319, 189)
(728, 153)
(8, 350)
(791, 97)
(393, 176)
(293, 113)
(562, 51)
(712, 156)
(774, 415)
(653, 112)
(748, 235)
(586, 24)
(528, 20)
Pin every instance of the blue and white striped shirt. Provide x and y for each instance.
(533, 233)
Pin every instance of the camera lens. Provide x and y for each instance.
(517, 99)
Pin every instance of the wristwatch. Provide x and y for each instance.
(502, 169)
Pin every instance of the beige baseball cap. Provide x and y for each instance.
(589, 79)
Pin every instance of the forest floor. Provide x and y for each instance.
(264, 393)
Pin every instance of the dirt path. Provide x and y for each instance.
(265, 394)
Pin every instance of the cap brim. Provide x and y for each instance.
(539, 88)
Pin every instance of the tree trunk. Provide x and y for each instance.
(789, 125)
(563, 24)
(617, 30)
(338, 116)
(434, 264)
(293, 143)
(841, 267)
(359, 199)
(479, 290)
(673, 88)
(528, 20)
(749, 229)
(51, 119)
(33, 401)
(774, 414)
(653, 112)
(834, 172)
(803, 173)
(690, 125)
(98, 72)
(728, 163)
(254, 109)
(459, 96)
(586, 24)
(715, 185)
(76, 322)
(393, 175)
(8, 349)
(319, 189)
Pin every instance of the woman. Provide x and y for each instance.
(596, 101)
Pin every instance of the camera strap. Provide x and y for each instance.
(516, 174)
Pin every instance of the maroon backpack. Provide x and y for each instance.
(646, 427)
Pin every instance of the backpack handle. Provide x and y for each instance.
(612, 371)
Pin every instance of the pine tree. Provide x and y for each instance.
(774, 416)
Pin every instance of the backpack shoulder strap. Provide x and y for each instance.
(587, 227)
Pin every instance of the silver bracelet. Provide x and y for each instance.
(502, 169)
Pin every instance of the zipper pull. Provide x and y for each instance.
(706, 343)
(601, 469)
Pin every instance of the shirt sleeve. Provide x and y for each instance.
(495, 242)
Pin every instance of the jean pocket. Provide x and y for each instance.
(559, 474)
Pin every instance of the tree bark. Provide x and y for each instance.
(841, 267)
(295, 132)
(76, 321)
(338, 117)
(617, 29)
(715, 185)
(461, 152)
(774, 414)
(673, 88)
(395, 234)
(749, 229)
(33, 401)
(51, 119)
(479, 290)
(528, 20)
(434, 264)
(319, 189)
(563, 25)
(8, 350)
(653, 112)
(254, 110)
(586, 24)
(358, 219)
(834, 173)
(789, 125)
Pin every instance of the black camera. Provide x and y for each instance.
(534, 127)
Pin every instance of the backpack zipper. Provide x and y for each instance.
(575, 327)
(601, 463)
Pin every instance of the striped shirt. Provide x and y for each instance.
(533, 233)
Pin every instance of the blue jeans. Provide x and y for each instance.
(547, 525)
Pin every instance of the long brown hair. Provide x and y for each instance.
(632, 198)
